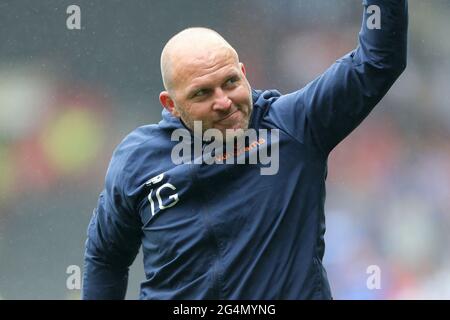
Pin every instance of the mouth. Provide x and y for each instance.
(228, 116)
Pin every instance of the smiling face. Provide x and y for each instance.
(205, 82)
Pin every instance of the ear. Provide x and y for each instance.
(243, 68)
(168, 103)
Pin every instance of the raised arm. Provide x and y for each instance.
(331, 106)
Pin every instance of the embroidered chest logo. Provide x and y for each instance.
(155, 192)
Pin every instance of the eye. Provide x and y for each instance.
(232, 80)
(200, 93)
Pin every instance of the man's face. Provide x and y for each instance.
(211, 88)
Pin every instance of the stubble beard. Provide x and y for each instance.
(245, 122)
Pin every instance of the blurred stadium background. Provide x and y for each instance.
(67, 97)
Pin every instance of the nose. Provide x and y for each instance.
(221, 102)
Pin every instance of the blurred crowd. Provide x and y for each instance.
(388, 187)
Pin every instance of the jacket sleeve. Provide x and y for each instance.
(114, 237)
(331, 106)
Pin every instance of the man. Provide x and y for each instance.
(221, 231)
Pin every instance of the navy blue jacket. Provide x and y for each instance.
(225, 231)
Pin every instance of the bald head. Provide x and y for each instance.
(186, 47)
(205, 81)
